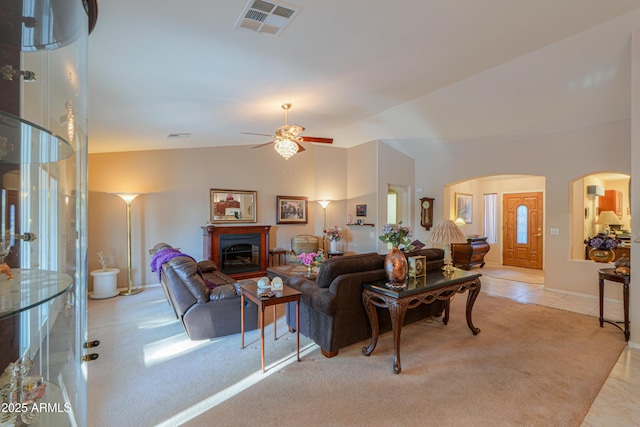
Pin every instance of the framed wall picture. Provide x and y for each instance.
(291, 210)
(361, 210)
(232, 206)
(464, 207)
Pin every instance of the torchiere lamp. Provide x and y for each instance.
(128, 198)
(324, 204)
(447, 232)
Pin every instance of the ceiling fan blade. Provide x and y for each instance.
(262, 145)
(300, 147)
(251, 133)
(316, 139)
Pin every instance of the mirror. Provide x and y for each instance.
(233, 206)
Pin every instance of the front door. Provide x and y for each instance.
(522, 230)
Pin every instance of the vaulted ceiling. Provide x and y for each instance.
(357, 70)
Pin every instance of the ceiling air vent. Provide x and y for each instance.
(178, 135)
(267, 17)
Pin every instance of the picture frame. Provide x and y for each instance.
(464, 207)
(291, 210)
(232, 206)
(361, 210)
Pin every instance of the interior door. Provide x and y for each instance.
(522, 230)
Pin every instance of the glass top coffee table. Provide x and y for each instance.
(435, 285)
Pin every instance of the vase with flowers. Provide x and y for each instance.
(334, 235)
(310, 259)
(602, 246)
(395, 263)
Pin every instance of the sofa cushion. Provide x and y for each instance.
(207, 265)
(187, 270)
(430, 254)
(336, 266)
(434, 257)
(161, 246)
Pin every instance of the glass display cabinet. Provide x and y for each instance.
(43, 242)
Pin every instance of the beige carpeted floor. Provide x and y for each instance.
(530, 365)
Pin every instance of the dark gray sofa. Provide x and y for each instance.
(206, 301)
(331, 309)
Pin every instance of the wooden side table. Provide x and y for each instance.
(284, 295)
(279, 254)
(609, 274)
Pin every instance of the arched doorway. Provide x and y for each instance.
(487, 196)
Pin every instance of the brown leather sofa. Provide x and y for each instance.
(206, 301)
(331, 309)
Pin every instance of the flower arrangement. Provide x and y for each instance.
(397, 235)
(602, 241)
(333, 233)
(311, 258)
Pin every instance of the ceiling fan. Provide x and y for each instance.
(287, 138)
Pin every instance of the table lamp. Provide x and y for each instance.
(447, 232)
(608, 218)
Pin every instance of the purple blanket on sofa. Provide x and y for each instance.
(164, 255)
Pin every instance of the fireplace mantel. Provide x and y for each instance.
(211, 246)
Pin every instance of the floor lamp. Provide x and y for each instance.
(128, 198)
(324, 204)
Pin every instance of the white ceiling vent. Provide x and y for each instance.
(268, 17)
(179, 135)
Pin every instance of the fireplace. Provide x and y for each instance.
(238, 251)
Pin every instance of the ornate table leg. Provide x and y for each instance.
(397, 310)
(625, 298)
(447, 304)
(373, 321)
(601, 292)
(474, 290)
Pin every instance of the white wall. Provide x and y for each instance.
(176, 203)
(634, 158)
(559, 158)
(362, 182)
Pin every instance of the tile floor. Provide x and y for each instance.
(618, 403)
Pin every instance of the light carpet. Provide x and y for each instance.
(530, 365)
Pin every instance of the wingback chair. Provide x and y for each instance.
(304, 243)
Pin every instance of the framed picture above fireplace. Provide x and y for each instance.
(233, 206)
(291, 210)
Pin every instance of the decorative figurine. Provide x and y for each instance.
(623, 265)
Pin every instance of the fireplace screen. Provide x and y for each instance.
(239, 253)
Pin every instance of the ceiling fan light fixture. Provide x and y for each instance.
(286, 147)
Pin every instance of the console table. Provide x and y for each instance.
(471, 253)
(435, 285)
(609, 274)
